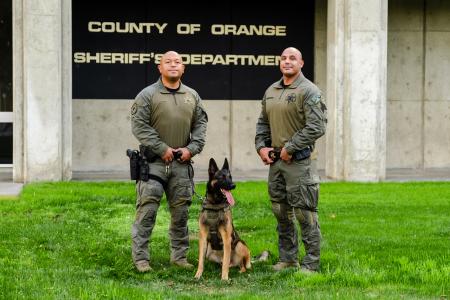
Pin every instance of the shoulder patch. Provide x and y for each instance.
(133, 109)
(315, 100)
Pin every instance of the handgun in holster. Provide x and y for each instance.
(134, 163)
(144, 168)
(139, 167)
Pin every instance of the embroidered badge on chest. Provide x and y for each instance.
(291, 98)
(188, 100)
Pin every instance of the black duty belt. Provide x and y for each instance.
(297, 155)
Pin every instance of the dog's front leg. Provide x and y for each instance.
(225, 232)
(203, 234)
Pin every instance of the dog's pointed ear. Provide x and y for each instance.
(225, 165)
(212, 169)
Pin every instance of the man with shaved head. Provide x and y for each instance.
(169, 121)
(293, 117)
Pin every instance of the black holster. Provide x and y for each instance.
(134, 163)
(139, 168)
(144, 169)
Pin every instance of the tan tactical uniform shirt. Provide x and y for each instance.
(160, 119)
(293, 117)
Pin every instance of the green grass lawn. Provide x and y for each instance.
(72, 240)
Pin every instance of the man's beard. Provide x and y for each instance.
(173, 79)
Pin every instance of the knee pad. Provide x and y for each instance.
(149, 192)
(147, 214)
(305, 216)
(284, 213)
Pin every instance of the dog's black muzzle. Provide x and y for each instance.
(227, 186)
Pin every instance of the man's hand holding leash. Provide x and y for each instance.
(185, 154)
(180, 154)
(270, 155)
(264, 154)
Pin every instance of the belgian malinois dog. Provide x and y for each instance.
(218, 240)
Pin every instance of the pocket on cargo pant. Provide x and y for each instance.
(180, 193)
(303, 195)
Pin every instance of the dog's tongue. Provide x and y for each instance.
(230, 198)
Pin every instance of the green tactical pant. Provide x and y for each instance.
(294, 192)
(179, 196)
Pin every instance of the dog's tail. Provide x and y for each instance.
(264, 256)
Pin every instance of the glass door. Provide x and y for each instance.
(6, 101)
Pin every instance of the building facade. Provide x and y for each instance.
(383, 67)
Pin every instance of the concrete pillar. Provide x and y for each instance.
(356, 89)
(42, 90)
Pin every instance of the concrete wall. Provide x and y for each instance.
(320, 66)
(102, 133)
(54, 134)
(42, 90)
(356, 89)
(101, 128)
(418, 125)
